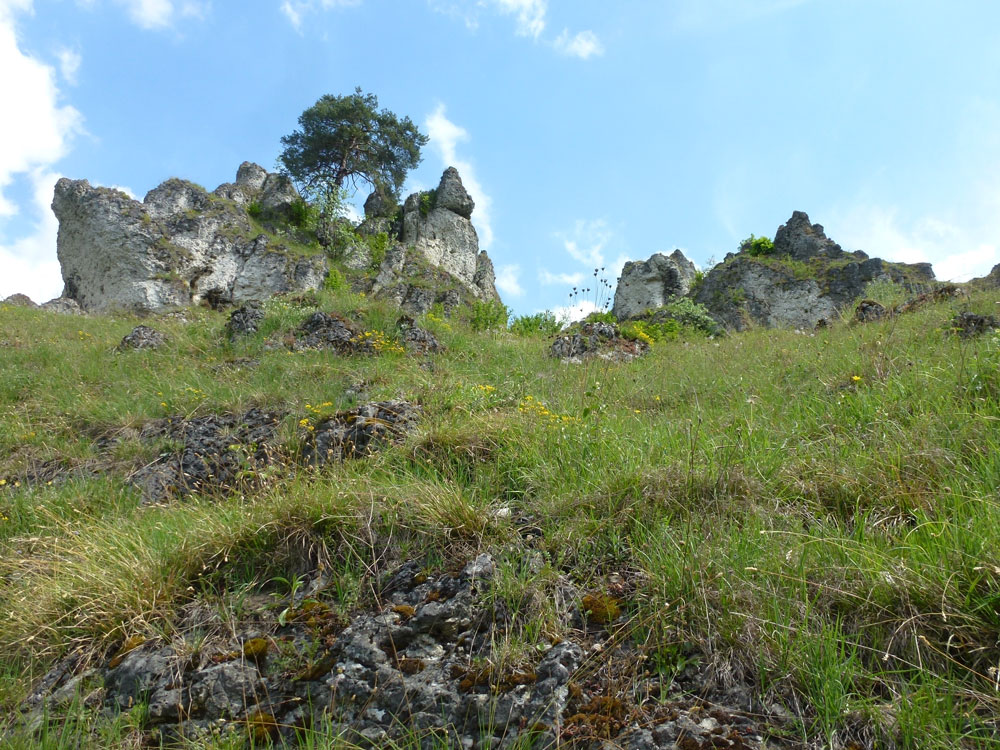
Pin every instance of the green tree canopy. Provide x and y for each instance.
(346, 140)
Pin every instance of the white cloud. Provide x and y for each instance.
(570, 313)
(158, 14)
(958, 249)
(444, 138)
(30, 144)
(530, 15)
(69, 64)
(149, 14)
(548, 278)
(583, 45)
(508, 280)
(586, 243)
(29, 263)
(294, 10)
(41, 132)
(293, 14)
(529, 21)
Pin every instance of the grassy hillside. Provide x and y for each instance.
(814, 517)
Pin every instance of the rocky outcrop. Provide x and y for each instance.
(19, 300)
(181, 245)
(646, 285)
(800, 240)
(437, 259)
(418, 667)
(600, 340)
(807, 279)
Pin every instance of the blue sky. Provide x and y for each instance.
(589, 132)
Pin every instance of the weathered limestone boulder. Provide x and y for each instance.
(649, 284)
(807, 279)
(436, 231)
(181, 245)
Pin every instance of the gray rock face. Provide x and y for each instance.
(436, 226)
(801, 240)
(179, 246)
(652, 283)
(808, 279)
(452, 195)
(409, 281)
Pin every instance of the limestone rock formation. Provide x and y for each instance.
(181, 245)
(649, 284)
(800, 240)
(437, 259)
(600, 340)
(807, 279)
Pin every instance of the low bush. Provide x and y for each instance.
(757, 246)
(489, 316)
(539, 324)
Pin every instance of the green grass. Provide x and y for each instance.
(817, 514)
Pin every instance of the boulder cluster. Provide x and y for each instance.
(805, 281)
(182, 245)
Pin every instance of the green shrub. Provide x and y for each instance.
(601, 317)
(378, 246)
(427, 202)
(757, 246)
(335, 281)
(689, 313)
(696, 284)
(300, 213)
(887, 293)
(255, 210)
(489, 316)
(543, 323)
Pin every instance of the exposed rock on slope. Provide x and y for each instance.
(181, 245)
(807, 279)
(601, 340)
(437, 259)
(646, 285)
(419, 669)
